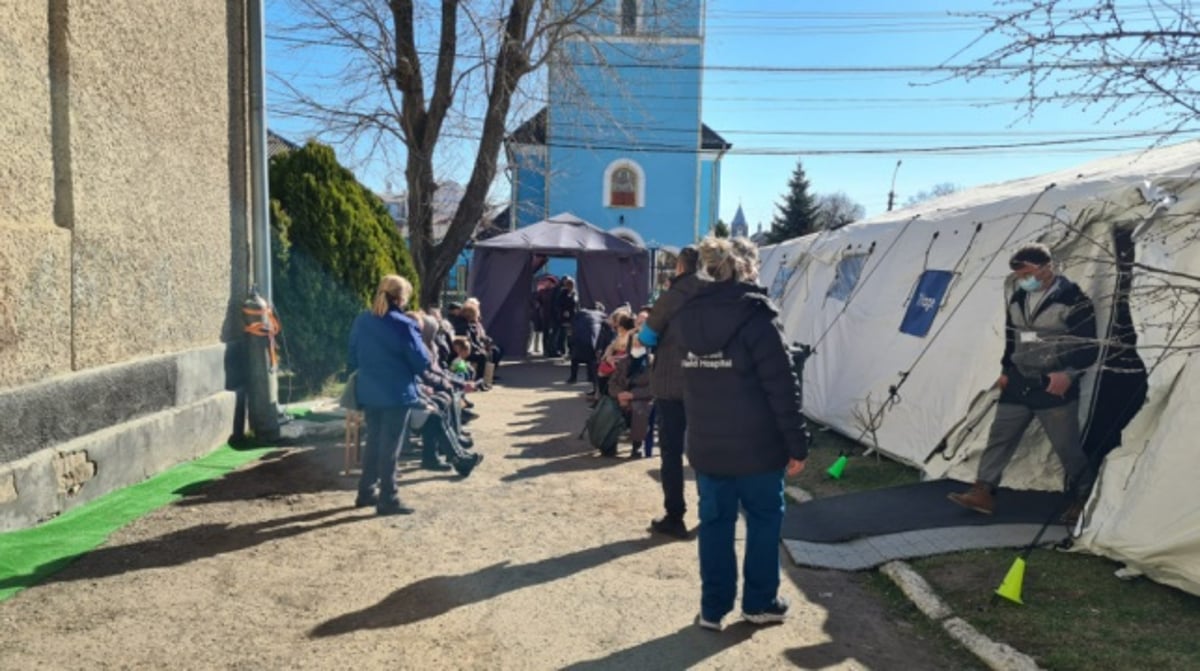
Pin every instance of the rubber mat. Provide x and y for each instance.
(837, 519)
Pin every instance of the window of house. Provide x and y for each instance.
(629, 17)
(849, 269)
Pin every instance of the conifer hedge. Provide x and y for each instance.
(332, 240)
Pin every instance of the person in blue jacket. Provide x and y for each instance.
(386, 350)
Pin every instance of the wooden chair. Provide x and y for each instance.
(353, 454)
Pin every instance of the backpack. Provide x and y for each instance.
(604, 426)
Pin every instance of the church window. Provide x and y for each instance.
(624, 184)
(629, 17)
(624, 188)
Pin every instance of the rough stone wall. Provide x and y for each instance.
(122, 240)
(115, 184)
(149, 166)
(35, 261)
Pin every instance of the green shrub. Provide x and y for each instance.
(332, 239)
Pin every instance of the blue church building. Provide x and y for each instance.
(621, 143)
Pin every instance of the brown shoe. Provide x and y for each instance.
(1071, 515)
(979, 498)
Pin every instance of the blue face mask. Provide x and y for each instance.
(1030, 283)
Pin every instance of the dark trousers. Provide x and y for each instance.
(671, 427)
(761, 498)
(589, 367)
(386, 428)
(436, 438)
(555, 340)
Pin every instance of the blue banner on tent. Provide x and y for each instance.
(925, 302)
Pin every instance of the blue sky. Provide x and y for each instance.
(774, 118)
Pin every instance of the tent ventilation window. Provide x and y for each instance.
(849, 270)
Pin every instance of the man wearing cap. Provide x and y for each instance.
(1050, 342)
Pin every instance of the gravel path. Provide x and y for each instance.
(539, 560)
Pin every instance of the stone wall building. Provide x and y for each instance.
(124, 248)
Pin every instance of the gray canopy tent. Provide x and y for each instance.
(611, 270)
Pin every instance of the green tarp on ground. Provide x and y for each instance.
(29, 556)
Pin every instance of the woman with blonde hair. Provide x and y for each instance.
(744, 431)
(386, 350)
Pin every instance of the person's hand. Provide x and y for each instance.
(468, 386)
(1001, 382)
(625, 398)
(1059, 383)
(795, 467)
(431, 407)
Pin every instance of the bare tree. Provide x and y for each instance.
(835, 210)
(427, 76)
(1120, 59)
(936, 191)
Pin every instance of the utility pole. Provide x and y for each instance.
(892, 191)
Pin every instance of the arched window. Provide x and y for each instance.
(629, 17)
(624, 185)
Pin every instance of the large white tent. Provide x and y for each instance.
(905, 314)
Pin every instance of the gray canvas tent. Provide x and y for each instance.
(611, 270)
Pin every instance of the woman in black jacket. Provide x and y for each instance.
(745, 430)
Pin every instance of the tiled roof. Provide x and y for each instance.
(278, 144)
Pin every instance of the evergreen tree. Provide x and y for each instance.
(720, 229)
(797, 213)
(331, 242)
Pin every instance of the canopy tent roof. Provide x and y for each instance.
(562, 235)
(610, 270)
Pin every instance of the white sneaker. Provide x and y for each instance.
(708, 624)
(775, 613)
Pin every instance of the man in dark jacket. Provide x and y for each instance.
(745, 431)
(565, 303)
(666, 384)
(1049, 343)
(585, 332)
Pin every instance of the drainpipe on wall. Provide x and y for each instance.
(261, 326)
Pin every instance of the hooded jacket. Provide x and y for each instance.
(666, 379)
(740, 394)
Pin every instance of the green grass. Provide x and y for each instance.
(1076, 614)
(861, 473)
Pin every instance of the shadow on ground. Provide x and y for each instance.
(681, 649)
(187, 545)
(437, 595)
(859, 627)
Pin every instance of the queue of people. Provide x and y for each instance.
(413, 371)
(708, 361)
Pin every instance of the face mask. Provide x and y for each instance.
(637, 352)
(1030, 283)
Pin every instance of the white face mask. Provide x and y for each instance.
(637, 352)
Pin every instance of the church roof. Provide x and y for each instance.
(533, 131)
(710, 139)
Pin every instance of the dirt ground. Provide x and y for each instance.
(539, 560)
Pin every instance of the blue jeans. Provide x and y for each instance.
(761, 496)
(386, 429)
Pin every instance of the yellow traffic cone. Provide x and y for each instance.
(835, 471)
(1011, 587)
